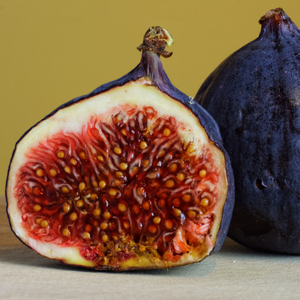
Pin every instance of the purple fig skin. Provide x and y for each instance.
(151, 67)
(254, 97)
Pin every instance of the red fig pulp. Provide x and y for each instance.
(125, 177)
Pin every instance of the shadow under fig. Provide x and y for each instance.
(195, 270)
(233, 249)
(23, 256)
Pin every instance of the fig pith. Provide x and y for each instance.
(132, 175)
(254, 97)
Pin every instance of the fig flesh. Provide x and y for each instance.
(133, 175)
(256, 89)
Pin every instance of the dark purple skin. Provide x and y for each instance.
(254, 95)
(151, 66)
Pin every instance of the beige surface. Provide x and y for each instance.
(234, 273)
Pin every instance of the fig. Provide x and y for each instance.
(133, 175)
(254, 97)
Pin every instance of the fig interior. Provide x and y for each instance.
(131, 182)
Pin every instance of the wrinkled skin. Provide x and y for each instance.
(254, 97)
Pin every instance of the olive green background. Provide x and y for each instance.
(53, 51)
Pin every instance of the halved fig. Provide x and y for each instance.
(133, 175)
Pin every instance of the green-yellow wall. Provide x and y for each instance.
(52, 51)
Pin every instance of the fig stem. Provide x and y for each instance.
(155, 39)
(276, 23)
(270, 14)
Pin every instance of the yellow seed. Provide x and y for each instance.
(122, 207)
(135, 170)
(86, 235)
(88, 228)
(136, 209)
(67, 169)
(117, 119)
(202, 173)
(180, 176)
(204, 202)
(103, 225)
(73, 161)
(82, 186)
(119, 174)
(37, 207)
(44, 223)
(142, 248)
(60, 154)
(116, 182)
(156, 220)
(126, 225)
(176, 212)
(123, 166)
(37, 191)
(187, 198)
(161, 153)
(38, 220)
(73, 216)
(52, 172)
(117, 150)
(39, 172)
(66, 232)
(145, 163)
(146, 205)
(173, 167)
(112, 192)
(82, 155)
(102, 184)
(123, 131)
(155, 260)
(79, 203)
(105, 261)
(169, 183)
(143, 145)
(176, 202)
(97, 212)
(65, 190)
(66, 207)
(107, 215)
(191, 214)
(155, 184)
(115, 238)
(161, 202)
(100, 158)
(94, 183)
(152, 229)
(169, 224)
(104, 238)
(140, 190)
(166, 132)
(93, 196)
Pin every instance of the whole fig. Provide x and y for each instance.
(254, 95)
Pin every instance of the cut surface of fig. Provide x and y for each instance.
(122, 179)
